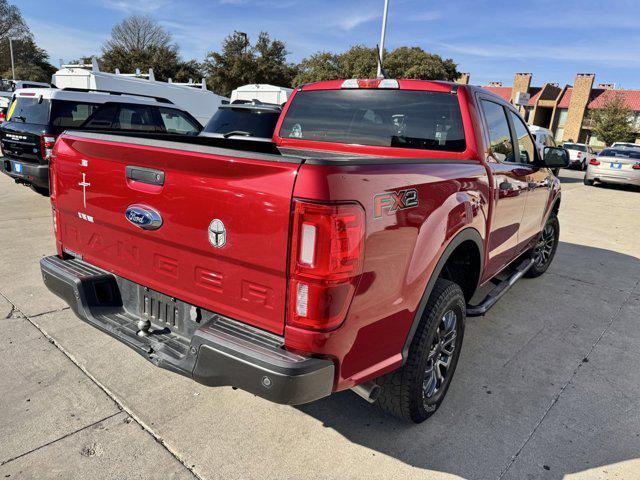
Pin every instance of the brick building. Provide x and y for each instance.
(565, 110)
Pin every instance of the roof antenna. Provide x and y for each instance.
(382, 73)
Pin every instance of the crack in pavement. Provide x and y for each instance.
(5, 462)
(121, 406)
(50, 311)
(555, 399)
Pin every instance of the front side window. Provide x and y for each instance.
(69, 114)
(377, 117)
(499, 133)
(176, 121)
(526, 145)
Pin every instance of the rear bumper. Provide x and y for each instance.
(608, 175)
(211, 349)
(32, 173)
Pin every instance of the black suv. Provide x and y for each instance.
(37, 116)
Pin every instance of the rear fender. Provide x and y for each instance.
(465, 235)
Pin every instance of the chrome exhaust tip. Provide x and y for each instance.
(370, 391)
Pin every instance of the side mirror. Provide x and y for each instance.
(556, 157)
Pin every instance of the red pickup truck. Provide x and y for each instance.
(347, 257)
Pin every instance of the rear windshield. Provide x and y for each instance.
(609, 152)
(249, 122)
(385, 118)
(29, 110)
(573, 146)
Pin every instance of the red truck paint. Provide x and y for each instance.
(457, 194)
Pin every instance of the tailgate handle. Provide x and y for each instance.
(145, 175)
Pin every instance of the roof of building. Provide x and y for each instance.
(566, 98)
(600, 97)
(504, 92)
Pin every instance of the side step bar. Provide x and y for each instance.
(500, 289)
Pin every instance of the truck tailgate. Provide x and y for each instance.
(241, 273)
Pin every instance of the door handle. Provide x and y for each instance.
(145, 175)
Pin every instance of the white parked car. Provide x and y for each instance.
(543, 137)
(615, 165)
(580, 154)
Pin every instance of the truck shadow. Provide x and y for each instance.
(530, 385)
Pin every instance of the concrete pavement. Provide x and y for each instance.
(546, 387)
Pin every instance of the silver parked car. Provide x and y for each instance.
(614, 165)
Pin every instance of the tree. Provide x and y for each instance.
(612, 122)
(139, 42)
(31, 62)
(240, 63)
(362, 62)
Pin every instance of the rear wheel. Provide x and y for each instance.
(415, 391)
(588, 183)
(545, 250)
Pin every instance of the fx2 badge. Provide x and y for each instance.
(390, 202)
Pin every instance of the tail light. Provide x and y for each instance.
(327, 251)
(593, 161)
(46, 146)
(2, 117)
(636, 166)
(579, 155)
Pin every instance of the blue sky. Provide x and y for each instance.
(553, 39)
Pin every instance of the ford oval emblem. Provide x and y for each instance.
(144, 217)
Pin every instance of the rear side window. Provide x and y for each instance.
(102, 118)
(499, 133)
(137, 117)
(176, 121)
(251, 122)
(29, 110)
(384, 118)
(69, 114)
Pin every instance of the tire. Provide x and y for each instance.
(415, 391)
(556, 172)
(545, 250)
(583, 166)
(588, 183)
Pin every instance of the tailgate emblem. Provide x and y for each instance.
(144, 217)
(217, 233)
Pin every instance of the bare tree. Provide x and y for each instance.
(136, 33)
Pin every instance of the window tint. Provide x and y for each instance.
(29, 110)
(385, 118)
(102, 118)
(573, 146)
(635, 155)
(176, 121)
(137, 117)
(256, 123)
(526, 146)
(499, 133)
(70, 114)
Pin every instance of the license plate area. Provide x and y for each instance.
(615, 166)
(17, 167)
(168, 313)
